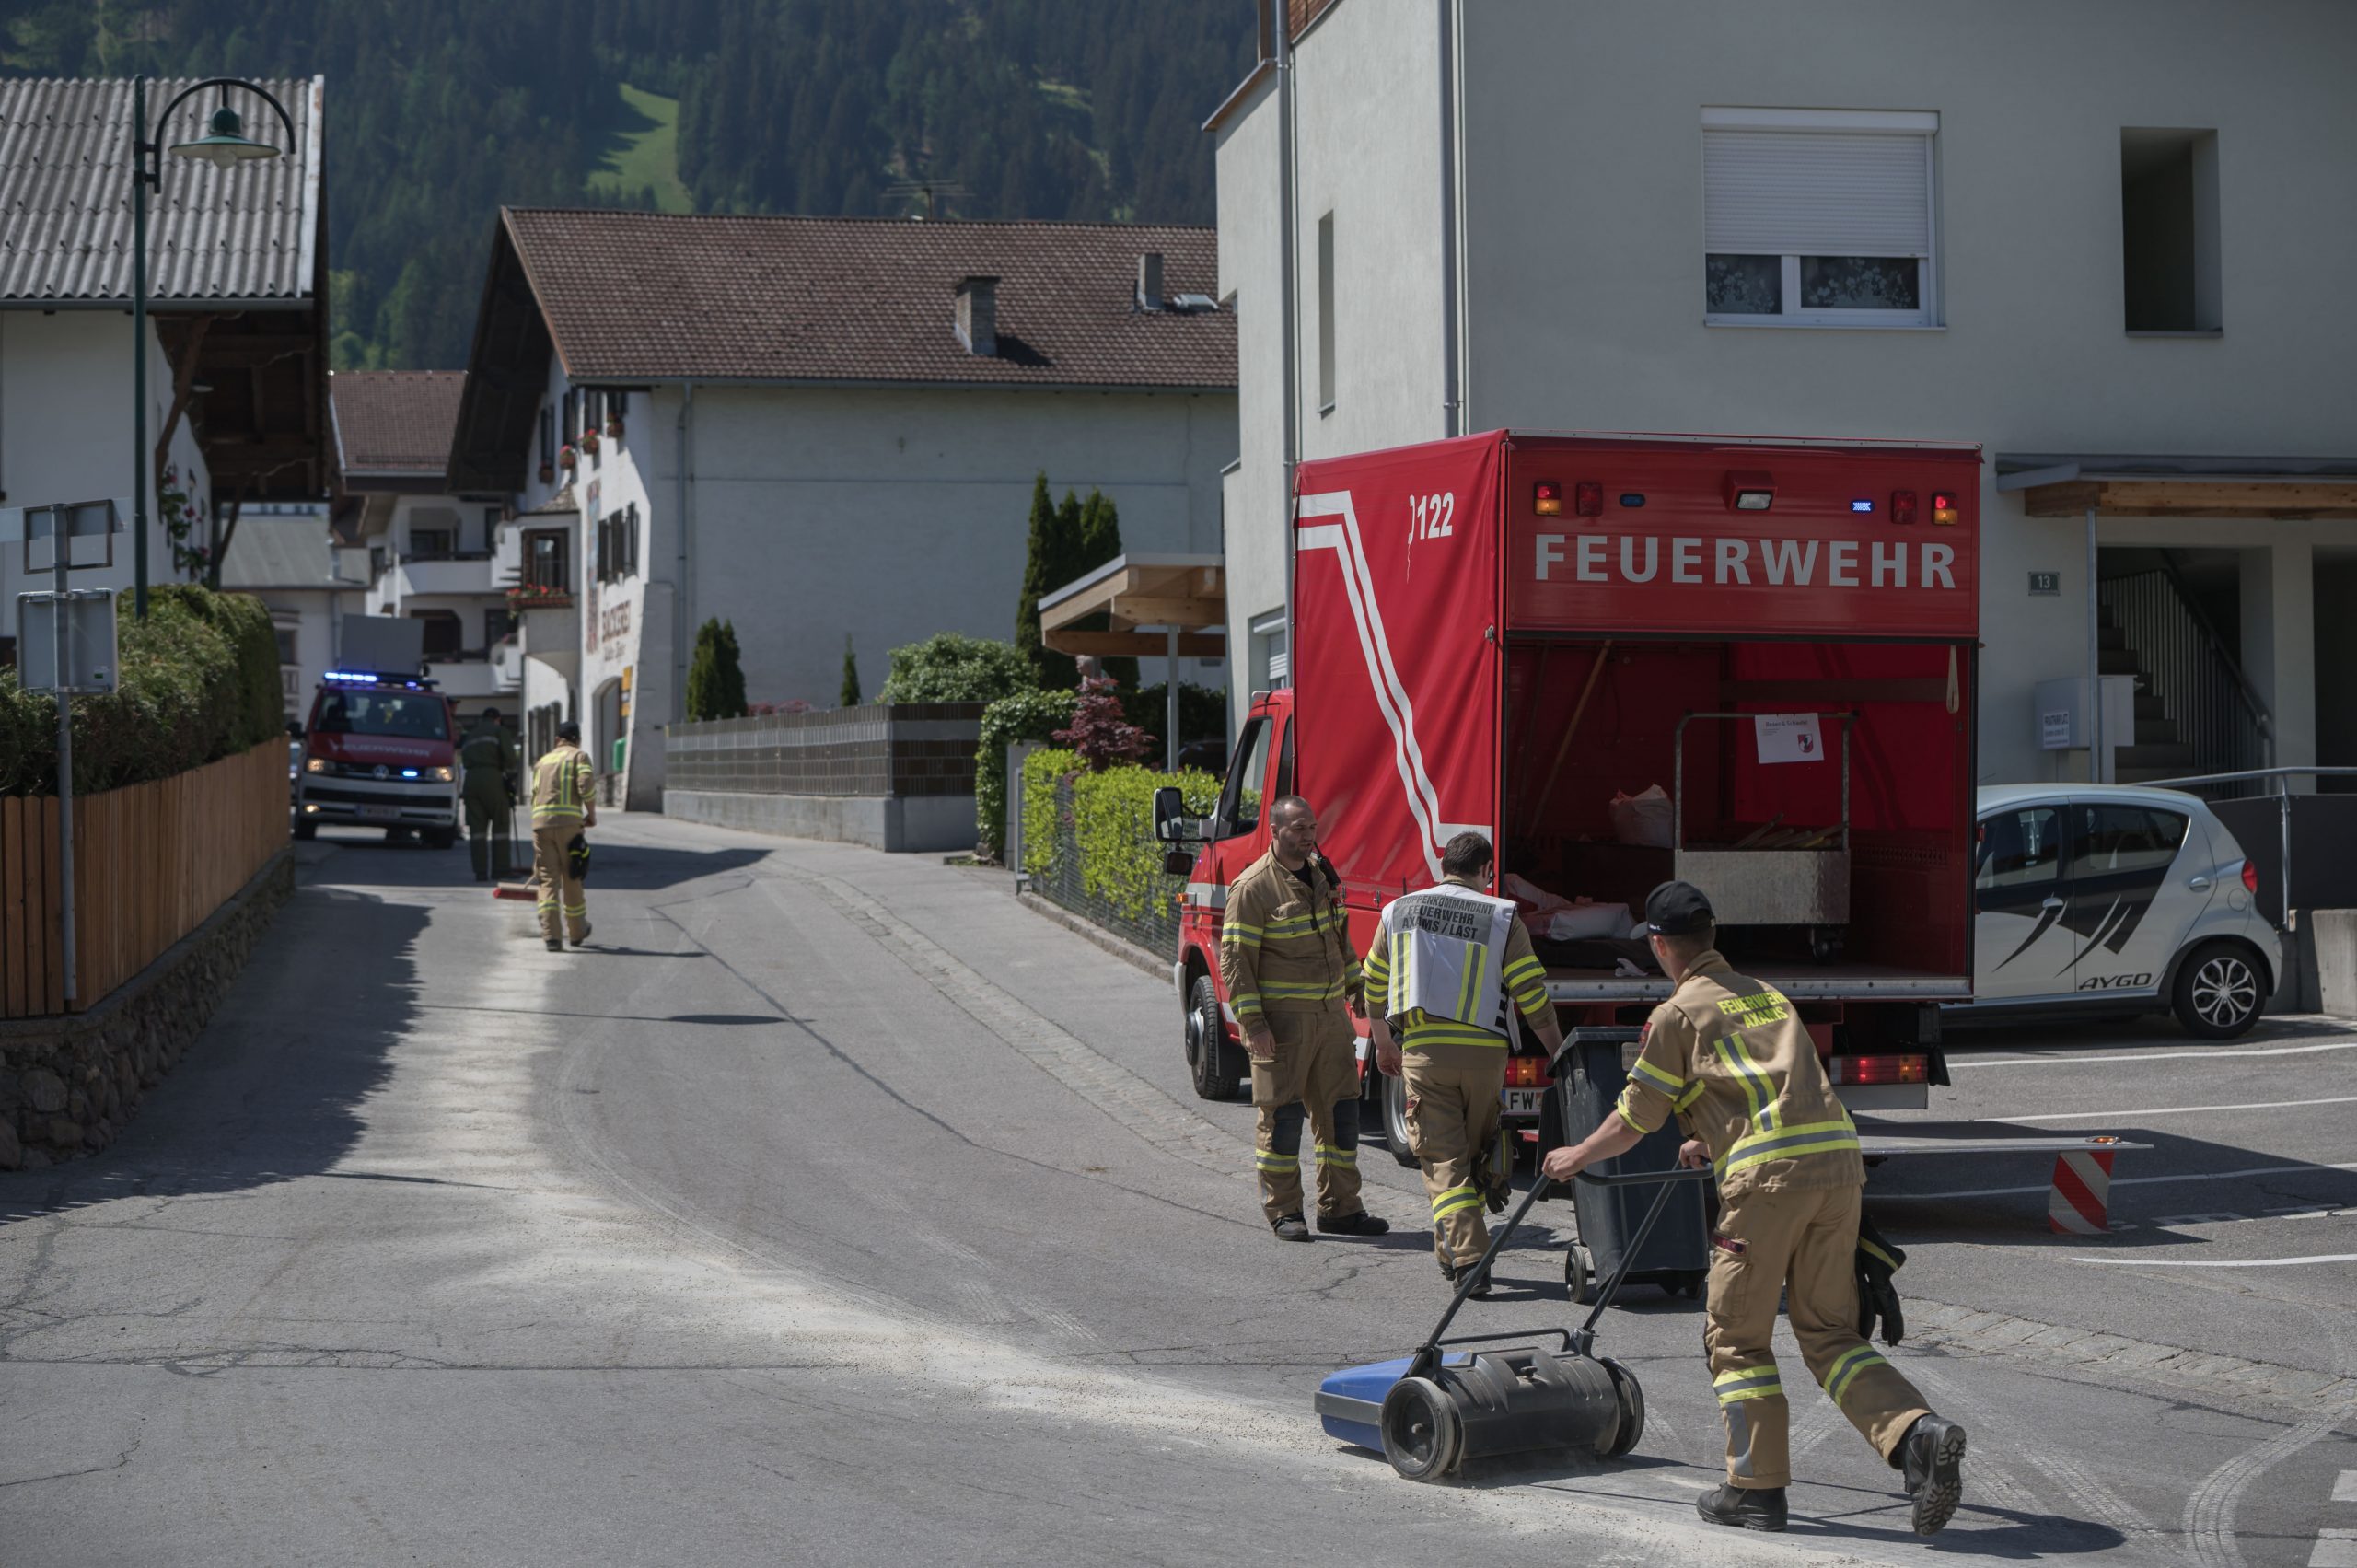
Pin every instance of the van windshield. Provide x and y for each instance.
(413, 715)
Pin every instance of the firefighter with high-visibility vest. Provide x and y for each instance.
(1285, 955)
(1728, 1056)
(1439, 974)
(491, 756)
(564, 803)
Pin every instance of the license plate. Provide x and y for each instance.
(1520, 1102)
(380, 813)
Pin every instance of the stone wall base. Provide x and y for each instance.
(915, 822)
(69, 1084)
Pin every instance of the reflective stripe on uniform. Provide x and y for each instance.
(1422, 1029)
(1267, 1160)
(1757, 1088)
(1658, 1079)
(1790, 1143)
(1845, 1369)
(1329, 1155)
(1474, 985)
(1456, 1200)
(1750, 1383)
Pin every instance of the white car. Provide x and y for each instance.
(2108, 897)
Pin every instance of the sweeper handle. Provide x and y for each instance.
(1667, 1179)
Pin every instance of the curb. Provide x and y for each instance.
(1120, 948)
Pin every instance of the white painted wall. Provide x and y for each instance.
(65, 419)
(1583, 288)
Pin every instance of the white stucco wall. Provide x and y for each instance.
(1583, 288)
(1255, 492)
(66, 418)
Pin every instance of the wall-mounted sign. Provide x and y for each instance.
(2054, 731)
(2046, 582)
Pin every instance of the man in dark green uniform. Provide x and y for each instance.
(491, 756)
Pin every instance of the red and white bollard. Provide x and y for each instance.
(2079, 1202)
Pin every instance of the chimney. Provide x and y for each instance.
(978, 316)
(1150, 281)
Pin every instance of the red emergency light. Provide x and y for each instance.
(1587, 498)
(1547, 498)
(1943, 507)
(1863, 1070)
(1902, 505)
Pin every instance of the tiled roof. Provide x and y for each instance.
(395, 422)
(246, 233)
(657, 296)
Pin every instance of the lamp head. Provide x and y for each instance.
(224, 144)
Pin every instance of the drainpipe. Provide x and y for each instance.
(1288, 316)
(2095, 662)
(1451, 402)
(684, 435)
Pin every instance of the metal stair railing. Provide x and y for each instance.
(2219, 715)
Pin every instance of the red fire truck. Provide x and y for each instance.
(1748, 663)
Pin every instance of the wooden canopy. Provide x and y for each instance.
(1172, 593)
(2247, 488)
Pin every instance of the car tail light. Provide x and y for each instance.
(1877, 1069)
(2250, 876)
(1902, 505)
(1587, 498)
(1943, 507)
(1547, 498)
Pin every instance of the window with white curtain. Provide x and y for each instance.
(1819, 217)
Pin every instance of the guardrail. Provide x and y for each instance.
(908, 748)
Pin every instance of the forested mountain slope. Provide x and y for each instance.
(441, 111)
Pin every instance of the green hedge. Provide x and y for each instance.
(1112, 825)
(1027, 715)
(198, 681)
(950, 667)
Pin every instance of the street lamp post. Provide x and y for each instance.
(224, 146)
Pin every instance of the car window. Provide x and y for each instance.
(2020, 847)
(1239, 806)
(2110, 839)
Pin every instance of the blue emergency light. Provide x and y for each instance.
(1862, 505)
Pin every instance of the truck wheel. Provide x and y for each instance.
(1395, 1119)
(2217, 994)
(1579, 1274)
(1209, 1056)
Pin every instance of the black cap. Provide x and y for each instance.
(568, 730)
(1678, 909)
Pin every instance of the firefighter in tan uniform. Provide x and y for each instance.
(1441, 967)
(562, 804)
(1284, 955)
(1727, 1056)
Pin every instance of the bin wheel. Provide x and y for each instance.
(1395, 1120)
(1422, 1436)
(1579, 1274)
(1630, 1397)
(1689, 1284)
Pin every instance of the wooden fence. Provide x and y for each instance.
(151, 862)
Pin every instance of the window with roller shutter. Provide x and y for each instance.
(1824, 219)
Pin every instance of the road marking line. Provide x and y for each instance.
(2117, 1182)
(2167, 1111)
(1956, 1066)
(2345, 1489)
(2223, 1262)
(2335, 1549)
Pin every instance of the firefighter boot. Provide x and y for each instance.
(1290, 1227)
(1932, 1454)
(1746, 1507)
(1359, 1224)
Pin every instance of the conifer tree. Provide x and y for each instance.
(849, 696)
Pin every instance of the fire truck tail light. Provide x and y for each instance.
(1902, 505)
(2250, 876)
(1547, 498)
(1943, 507)
(1587, 498)
(1862, 1070)
(1751, 491)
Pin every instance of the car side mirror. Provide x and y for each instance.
(1169, 814)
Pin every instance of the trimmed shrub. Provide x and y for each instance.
(1027, 715)
(1112, 825)
(198, 681)
(950, 667)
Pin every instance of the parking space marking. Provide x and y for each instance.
(2335, 1549)
(2222, 1262)
(1957, 1065)
(2167, 1110)
(2117, 1182)
(2345, 1489)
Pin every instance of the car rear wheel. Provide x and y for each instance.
(2219, 994)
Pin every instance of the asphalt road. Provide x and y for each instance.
(834, 1208)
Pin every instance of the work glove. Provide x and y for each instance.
(1879, 1260)
(1493, 1172)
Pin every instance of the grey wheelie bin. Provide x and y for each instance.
(1589, 1072)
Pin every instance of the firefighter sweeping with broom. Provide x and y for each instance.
(1728, 1057)
(562, 805)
